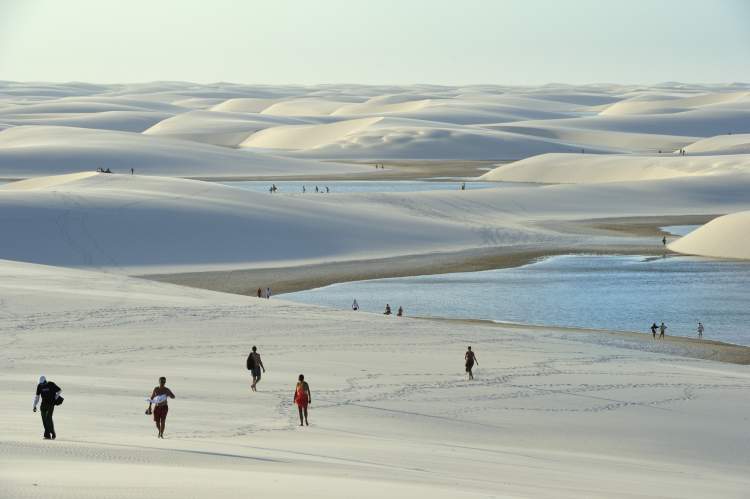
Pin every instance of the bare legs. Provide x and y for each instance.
(302, 411)
(160, 425)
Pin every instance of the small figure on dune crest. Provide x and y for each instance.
(254, 365)
(355, 305)
(400, 312)
(159, 399)
(662, 330)
(49, 393)
(654, 327)
(387, 309)
(470, 359)
(700, 330)
(664, 241)
(303, 398)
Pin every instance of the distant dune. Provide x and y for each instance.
(593, 168)
(360, 122)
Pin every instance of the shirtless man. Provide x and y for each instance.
(159, 400)
(255, 364)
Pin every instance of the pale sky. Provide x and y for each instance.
(376, 41)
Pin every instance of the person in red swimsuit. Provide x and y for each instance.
(302, 398)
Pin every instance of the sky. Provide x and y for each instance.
(376, 41)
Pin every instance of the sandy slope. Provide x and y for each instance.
(721, 144)
(593, 168)
(723, 237)
(551, 414)
(156, 225)
(29, 151)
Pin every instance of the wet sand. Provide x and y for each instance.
(671, 345)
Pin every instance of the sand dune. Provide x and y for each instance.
(721, 144)
(593, 168)
(723, 237)
(218, 128)
(28, 151)
(403, 122)
(402, 138)
(142, 225)
(550, 414)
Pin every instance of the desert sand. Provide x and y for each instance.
(553, 412)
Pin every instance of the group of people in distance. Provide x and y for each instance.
(399, 312)
(317, 189)
(662, 328)
(264, 294)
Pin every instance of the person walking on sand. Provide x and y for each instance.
(302, 398)
(400, 312)
(49, 393)
(662, 329)
(387, 309)
(654, 327)
(700, 330)
(355, 305)
(260, 293)
(158, 399)
(268, 292)
(254, 365)
(470, 359)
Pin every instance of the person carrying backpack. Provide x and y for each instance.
(49, 393)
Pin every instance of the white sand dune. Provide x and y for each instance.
(218, 128)
(144, 225)
(594, 168)
(404, 122)
(721, 144)
(124, 121)
(402, 138)
(723, 237)
(676, 104)
(551, 414)
(29, 151)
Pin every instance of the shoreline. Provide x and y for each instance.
(682, 346)
(287, 279)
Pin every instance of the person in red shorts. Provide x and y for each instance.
(159, 400)
(302, 398)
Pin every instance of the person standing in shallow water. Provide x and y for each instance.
(302, 398)
(470, 359)
(400, 312)
(662, 330)
(700, 330)
(159, 399)
(654, 327)
(48, 392)
(387, 309)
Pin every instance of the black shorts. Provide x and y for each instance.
(256, 372)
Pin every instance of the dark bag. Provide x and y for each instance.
(250, 362)
(59, 400)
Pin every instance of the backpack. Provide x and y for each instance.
(250, 362)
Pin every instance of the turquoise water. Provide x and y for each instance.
(345, 186)
(608, 292)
